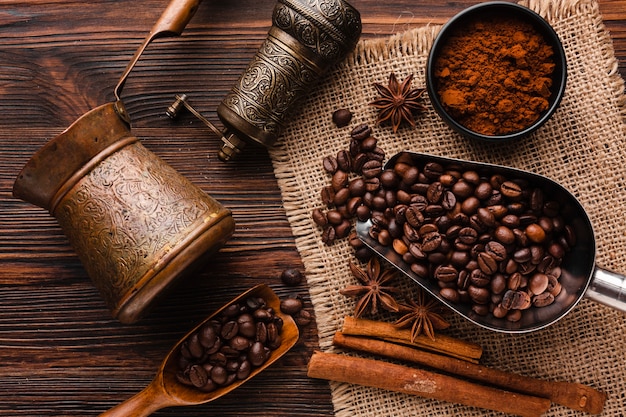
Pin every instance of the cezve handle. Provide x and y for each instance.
(171, 23)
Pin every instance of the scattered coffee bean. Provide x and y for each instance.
(291, 277)
(291, 305)
(342, 117)
(303, 318)
(230, 346)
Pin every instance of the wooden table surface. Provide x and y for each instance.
(61, 353)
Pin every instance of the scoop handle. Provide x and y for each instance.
(171, 23)
(142, 404)
(609, 288)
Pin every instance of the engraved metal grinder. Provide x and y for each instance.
(307, 37)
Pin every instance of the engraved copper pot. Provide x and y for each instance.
(307, 37)
(136, 224)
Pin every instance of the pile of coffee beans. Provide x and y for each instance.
(354, 177)
(485, 239)
(492, 242)
(228, 347)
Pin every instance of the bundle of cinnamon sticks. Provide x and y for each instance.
(454, 374)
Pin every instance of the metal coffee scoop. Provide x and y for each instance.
(305, 40)
(580, 277)
(166, 391)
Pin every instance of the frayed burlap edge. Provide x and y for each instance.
(324, 265)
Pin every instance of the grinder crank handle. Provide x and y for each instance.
(171, 23)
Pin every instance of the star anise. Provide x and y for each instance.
(423, 314)
(398, 102)
(373, 289)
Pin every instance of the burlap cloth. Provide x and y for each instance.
(583, 147)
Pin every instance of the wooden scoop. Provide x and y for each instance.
(166, 391)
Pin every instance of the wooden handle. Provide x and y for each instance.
(141, 404)
(575, 396)
(392, 377)
(175, 17)
(171, 23)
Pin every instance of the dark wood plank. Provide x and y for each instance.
(61, 353)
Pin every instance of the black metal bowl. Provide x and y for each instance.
(491, 12)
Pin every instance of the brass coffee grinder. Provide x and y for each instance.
(307, 37)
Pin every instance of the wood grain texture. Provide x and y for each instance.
(60, 352)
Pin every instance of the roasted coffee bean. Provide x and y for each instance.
(207, 336)
(327, 195)
(245, 367)
(511, 189)
(291, 305)
(487, 263)
(329, 235)
(369, 144)
(498, 284)
(431, 241)
(198, 376)
(462, 189)
(479, 295)
(303, 318)
(357, 187)
(434, 193)
(486, 217)
(496, 250)
(371, 168)
(389, 179)
(291, 277)
(334, 217)
(194, 346)
(479, 278)
(339, 180)
(504, 235)
(516, 300)
(483, 191)
(414, 216)
(341, 197)
(319, 217)
(376, 154)
(219, 375)
(247, 328)
(538, 283)
(344, 161)
(359, 159)
(448, 200)
(239, 343)
(229, 330)
(433, 170)
(470, 205)
(342, 117)
(330, 164)
(450, 294)
(446, 273)
(522, 255)
(543, 300)
(535, 233)
(361, 132)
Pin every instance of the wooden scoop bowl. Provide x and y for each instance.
(166, 391)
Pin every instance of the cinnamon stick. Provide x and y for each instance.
(393, 377)
(573, 395)
(442, 344)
